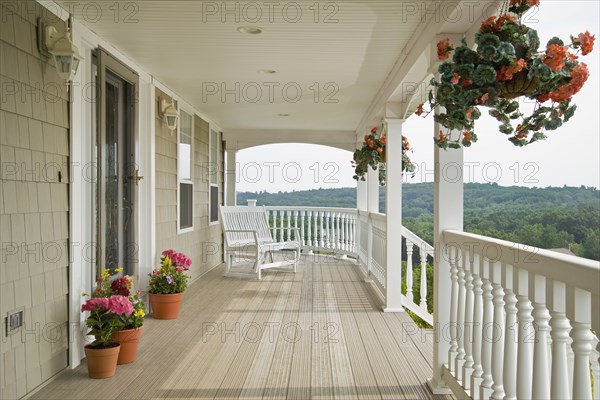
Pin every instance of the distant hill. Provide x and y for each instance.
(544, 217)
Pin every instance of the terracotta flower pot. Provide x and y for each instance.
(102, 363)
(128, 339)
(165, 306)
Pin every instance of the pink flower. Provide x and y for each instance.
(95, 304)
(179, 269)
(169, 253)
(120, 305)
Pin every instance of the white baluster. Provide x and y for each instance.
(525, 348)
(322, 230)
(509, 373)
(453, 308)
(288, 213)
(559, 382)
(326, 223)
(409, 271)
(309, 228)
(336, 230)
(460, 319)
(468, 325)
(296, 212)
(485, 390)
(423, 302)
(476, 376)
(345, 232)
(302, 212)
(541, 378)
(580, 313)
(281, 231)
(316, 229)
(498, 345)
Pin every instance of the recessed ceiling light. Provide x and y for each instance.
(266, 71)
(283, 115)
(250, 30)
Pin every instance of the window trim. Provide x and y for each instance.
(185, 181)
(211, 128)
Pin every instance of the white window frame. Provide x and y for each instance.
(211, 128)
(179, 180)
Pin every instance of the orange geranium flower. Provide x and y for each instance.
(455, 78)
(586, 41)
(555, 57)
(489, 23)
(579, 75)
(383, 139)
(444, 49)
(506, 72)
(419, 109)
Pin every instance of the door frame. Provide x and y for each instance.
(105, 61)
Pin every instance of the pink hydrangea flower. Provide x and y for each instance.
(120, 305)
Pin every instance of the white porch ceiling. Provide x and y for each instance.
(190, 49)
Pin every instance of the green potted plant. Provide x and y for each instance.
(167, 284)
(506, 65)
(105, 317)
(373, 154)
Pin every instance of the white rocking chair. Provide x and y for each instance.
(248, 236)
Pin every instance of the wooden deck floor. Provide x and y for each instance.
(316, 334)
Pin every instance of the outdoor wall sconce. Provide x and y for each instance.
(52, 43)
(169, 113)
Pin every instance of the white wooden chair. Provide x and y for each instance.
(247, 235)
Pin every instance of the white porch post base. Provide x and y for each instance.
(391, 309)
(438, 387)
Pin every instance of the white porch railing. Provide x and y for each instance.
(372, 259)
(321, 228)
(360, 234)
(521, 321)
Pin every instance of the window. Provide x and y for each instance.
(184, 172)
(215, 141)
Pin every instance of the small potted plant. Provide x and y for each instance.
(373, 154)
(105, 317)
(167, 284)
(507, 65)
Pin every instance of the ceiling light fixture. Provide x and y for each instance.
(266, 71)
(250, 30)
(283, 115)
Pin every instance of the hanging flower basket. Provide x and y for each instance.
(519, 85)
(505, 65)
(373, 153)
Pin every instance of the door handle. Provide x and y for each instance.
(137, 177)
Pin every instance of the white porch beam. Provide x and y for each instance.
(245, 138)
(230, 198)
(448, 214)
(393, 212)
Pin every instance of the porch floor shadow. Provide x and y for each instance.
(316, 334)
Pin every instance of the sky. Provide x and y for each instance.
(570, 156)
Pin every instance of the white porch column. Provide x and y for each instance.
(372, 190)
(393, 212)
(361, 195)
(448, 214)
(230, 198)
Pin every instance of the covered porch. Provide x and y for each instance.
(508, 319)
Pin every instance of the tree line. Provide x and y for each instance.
(551, 217)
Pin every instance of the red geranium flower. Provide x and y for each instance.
(444, 49)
